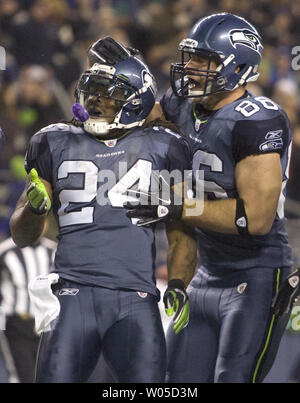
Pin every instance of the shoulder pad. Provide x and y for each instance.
(255, 108)
(171, 104)
(61, 127)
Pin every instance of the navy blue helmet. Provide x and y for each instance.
(228, 40)
(115, 73)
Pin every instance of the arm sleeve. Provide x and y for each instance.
(253, 137)
(170, 105)
(179, 156)
(38, 156)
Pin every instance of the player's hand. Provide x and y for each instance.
(287, 293)
(154, 207)
(177, 303)
(37, 195)
(294, 320)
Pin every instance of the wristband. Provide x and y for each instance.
(241, 220)
(37, 211)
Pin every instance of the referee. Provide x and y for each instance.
(17, 268)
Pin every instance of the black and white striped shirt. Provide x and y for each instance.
(17, 268)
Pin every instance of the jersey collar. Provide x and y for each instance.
(201, 115)
(108, 142)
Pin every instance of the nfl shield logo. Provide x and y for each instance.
(241, 288)
(110, 143)
(294, 281)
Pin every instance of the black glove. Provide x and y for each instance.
(176, 301)
(287, 293)
(154, 207)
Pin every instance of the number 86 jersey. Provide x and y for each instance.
(90, 179)
(219, 140)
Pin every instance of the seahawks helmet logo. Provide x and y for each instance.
(247, 38)
(148, 82)
(274, 141)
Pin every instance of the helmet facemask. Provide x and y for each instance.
(185, 79)
(232, 42)
(105, 96)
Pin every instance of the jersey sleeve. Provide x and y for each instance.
(170, 105)
(253, 137)
(38, 156)
(179, 159)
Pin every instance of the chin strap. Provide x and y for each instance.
(97, 127)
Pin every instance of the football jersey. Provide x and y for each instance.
(98, 244)
(219, 140)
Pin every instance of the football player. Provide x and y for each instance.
(242, 143)
(86, 171)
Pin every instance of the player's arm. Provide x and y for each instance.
(28, 220)
(258, 181)
(182, 252)
(181, 262)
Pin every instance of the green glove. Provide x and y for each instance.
(294, 321)
(176, 301)
(37, 195)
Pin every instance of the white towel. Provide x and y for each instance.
(45, 304)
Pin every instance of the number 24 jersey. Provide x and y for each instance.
(98, 244)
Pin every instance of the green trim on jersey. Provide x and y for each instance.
(268, 335)
(118, 138)
(195, 115)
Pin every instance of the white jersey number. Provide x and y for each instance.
(216, 165)
(139, 173)
(248, 108)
